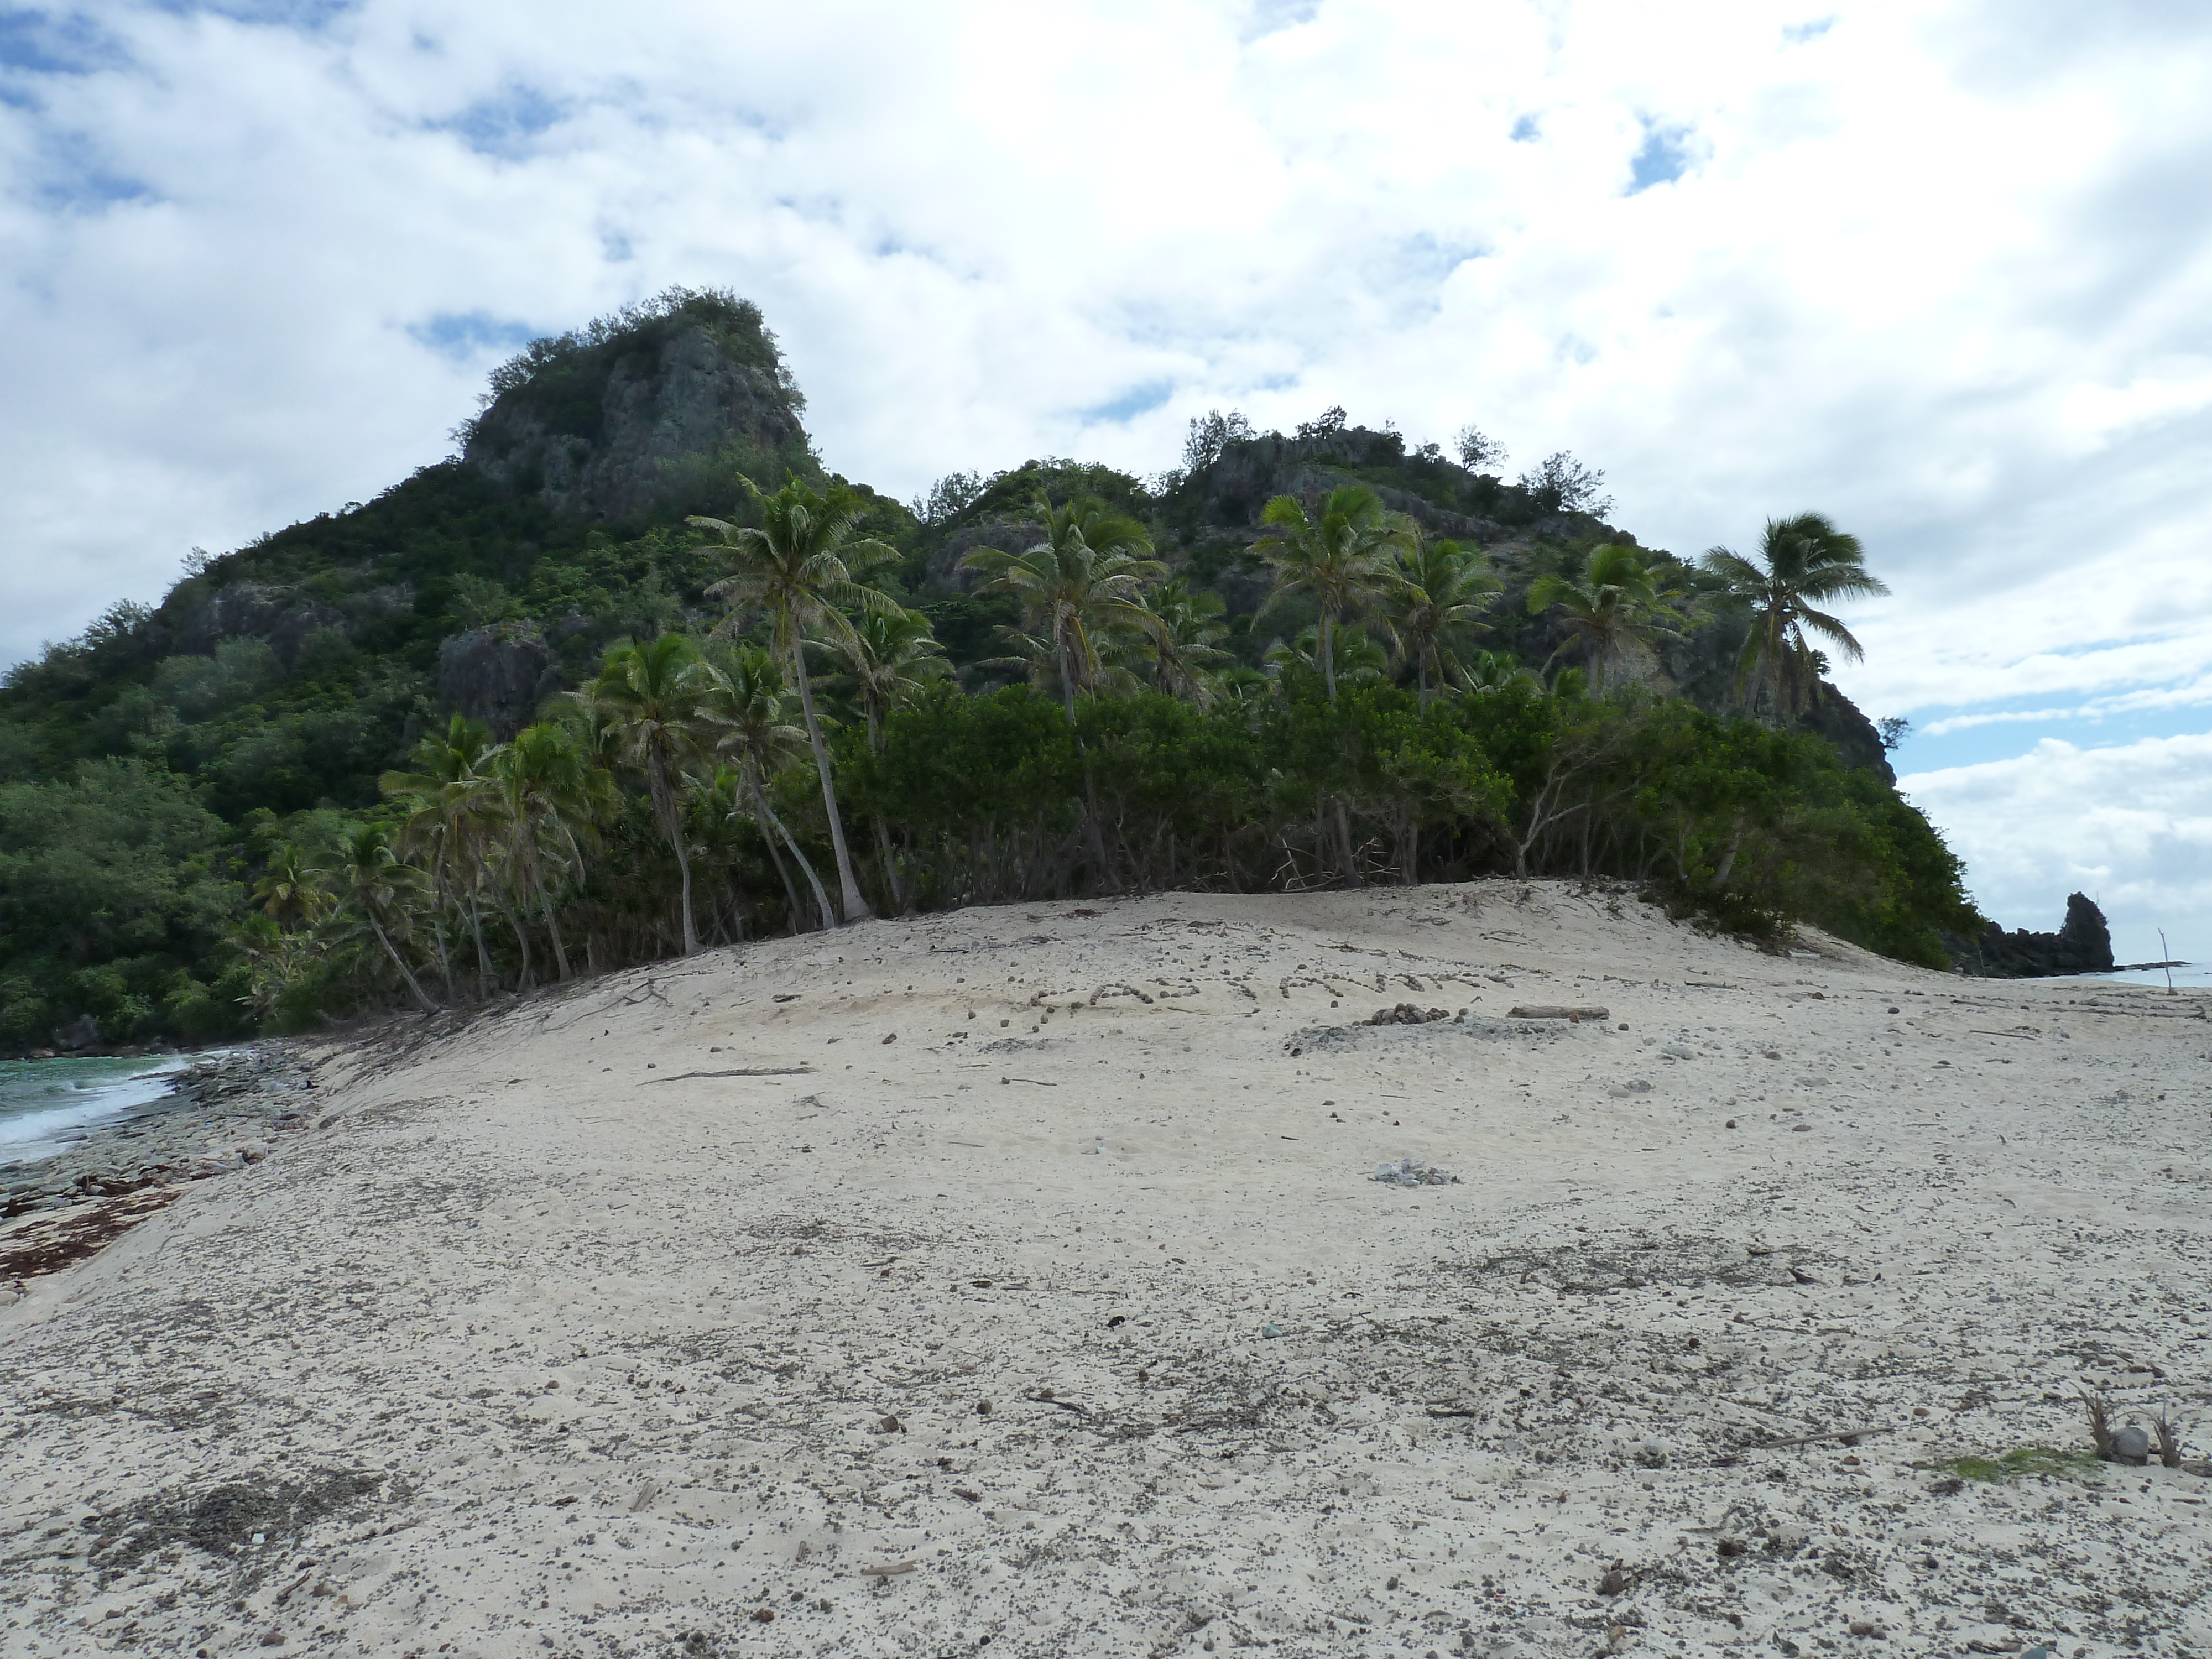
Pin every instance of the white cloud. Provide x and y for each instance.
(2130, 825)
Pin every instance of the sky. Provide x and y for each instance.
(1941, 271)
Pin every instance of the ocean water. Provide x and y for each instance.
(2195, 976)
(43, 1101)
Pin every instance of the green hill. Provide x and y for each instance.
(155, 769)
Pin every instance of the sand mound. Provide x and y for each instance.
(1020, 1276)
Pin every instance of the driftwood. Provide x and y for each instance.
(1554, 1010)
(741, 1071)
(1849, 1436)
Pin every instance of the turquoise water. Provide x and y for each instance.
(43, 1101)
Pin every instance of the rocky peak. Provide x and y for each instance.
(647, 412)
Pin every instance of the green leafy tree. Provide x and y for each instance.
(290, 892)
(1342, 557)
(752, 710)
(548, 794)
(803, 568)
(889, 658)
(1185, 644)
(1356, 658)
(653, 703)
(1079, 585)
(378, 891)
(452, 821)
(1433, 596)
(1615, 602)
(1803, 562)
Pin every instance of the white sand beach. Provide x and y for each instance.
(1016, 1282)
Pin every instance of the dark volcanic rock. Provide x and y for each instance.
(500, 676)
(2082, 946)
(283, 617)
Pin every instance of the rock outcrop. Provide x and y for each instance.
(646, 413)
(283, 617)
(499, 675)
(2082, 946)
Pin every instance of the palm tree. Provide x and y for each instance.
(1616, 602)
(548, 791)
(752, 711)
(890, 656)
(1342, 557)
(798, 567)
(1183, 644)
(652, 703)
(1355, 658)
(291, 894)
(1433, 595)
(1494, 670)
(1802, 562)
(1080, 585)
(379, 891)
(450, 822)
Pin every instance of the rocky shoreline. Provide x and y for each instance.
(222, 1115)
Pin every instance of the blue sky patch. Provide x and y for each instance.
(460, 335)
(70, 177)
(1525, 130)
(308, 14)
(2026, 721)
(1662, 160)
(1138, 400)
(1273, 16)
(505, 126)
(1798, 33)
(36, 42)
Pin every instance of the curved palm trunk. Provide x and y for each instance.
(856, 908)
(805, 864)
(783, 874)
(1329, 651)
(422, 998)
(560, 950)
(535, 877)
(671, 825)
(522, 943)
(483, 957)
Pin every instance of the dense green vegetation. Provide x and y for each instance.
(466, 738)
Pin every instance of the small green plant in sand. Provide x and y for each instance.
(2021, 1461)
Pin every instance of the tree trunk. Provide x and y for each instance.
(783, 873)
(856, 908)
(522, 943)
(445, 962)
(890, 866)
(422, 998)
(669, 811)
(775, 823)
(559, 949)
(1728, 858)
(483, 957)
(1329, 652)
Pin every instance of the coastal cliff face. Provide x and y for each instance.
(635, 423)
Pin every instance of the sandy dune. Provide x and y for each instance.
(1033, 1256)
